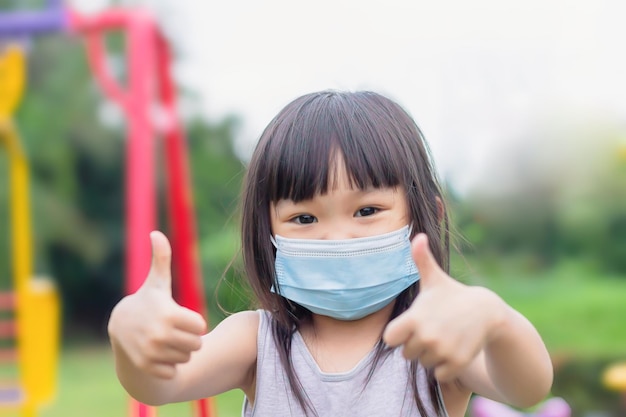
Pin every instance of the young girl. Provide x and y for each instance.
(345, 244)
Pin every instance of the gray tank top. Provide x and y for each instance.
(388, 392)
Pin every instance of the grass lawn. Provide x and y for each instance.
(579, 312)
(88, 387)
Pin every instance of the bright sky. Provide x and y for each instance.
(477, 76)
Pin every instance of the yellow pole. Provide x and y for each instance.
(12, 78)
(20, 206)
(37, 309)
(37, 301)
(12, 82)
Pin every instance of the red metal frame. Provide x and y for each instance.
(149, 84)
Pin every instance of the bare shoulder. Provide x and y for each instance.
(236, 337)
(246, 321)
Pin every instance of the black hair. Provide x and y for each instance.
(381, 146)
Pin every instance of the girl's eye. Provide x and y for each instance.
(366, 211)
(304, 219)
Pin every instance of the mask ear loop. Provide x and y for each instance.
(409, 233)
(290, 306)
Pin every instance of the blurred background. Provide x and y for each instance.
(523, 105)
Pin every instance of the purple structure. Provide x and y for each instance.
(24, 24)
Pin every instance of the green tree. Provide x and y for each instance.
(217, 175)
(564, 197)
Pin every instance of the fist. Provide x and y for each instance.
(149, 327)
(448, 324)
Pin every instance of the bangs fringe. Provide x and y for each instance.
(307, 141)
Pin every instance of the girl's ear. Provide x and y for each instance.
(441, 211)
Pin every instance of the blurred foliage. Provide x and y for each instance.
(579, 383)
(563, 194)
(25, 5)
(217, 174)
(75, 143)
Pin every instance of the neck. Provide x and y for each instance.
(369, 327)
(337, 345)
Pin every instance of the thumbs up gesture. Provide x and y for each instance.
(148, 328)
(449, 323)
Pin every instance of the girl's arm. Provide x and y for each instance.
(471, 336)
(514, 366)
(161, 352)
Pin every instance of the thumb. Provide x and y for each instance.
(160, 275)
(424, 259)
(399, 330)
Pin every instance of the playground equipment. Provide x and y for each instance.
(150, 87)
(553, 407)
(149, 102)
(30, 313)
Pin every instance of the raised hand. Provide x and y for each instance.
(449, 323)
(148, 327)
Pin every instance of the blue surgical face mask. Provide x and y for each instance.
(345, 279)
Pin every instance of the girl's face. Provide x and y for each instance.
(342, 213)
